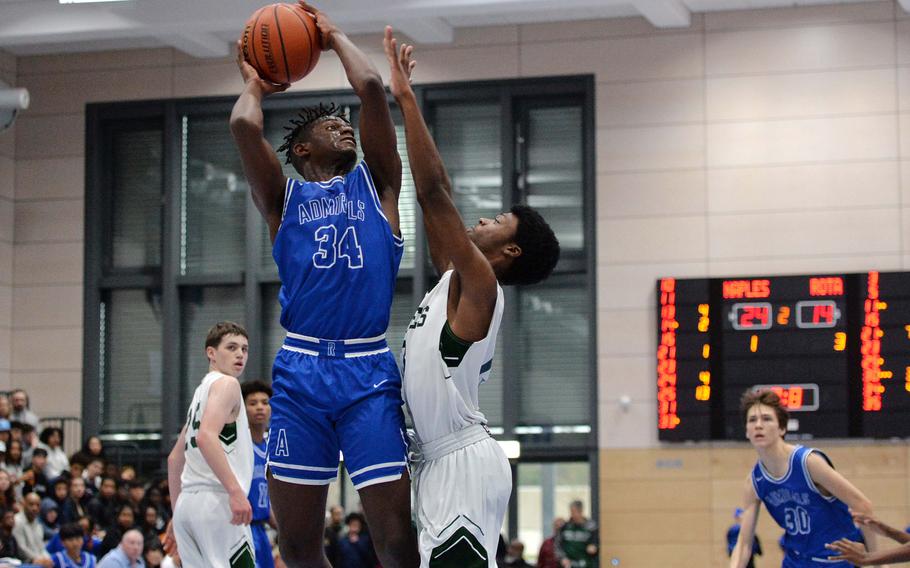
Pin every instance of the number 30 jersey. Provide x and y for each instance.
(337, 258)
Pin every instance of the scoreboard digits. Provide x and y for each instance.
(835, 348)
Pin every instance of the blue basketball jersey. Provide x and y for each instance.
(810, 519)
(259, 488)
(61, 560)
(337, 258)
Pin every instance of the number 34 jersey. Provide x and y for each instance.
(337, 258)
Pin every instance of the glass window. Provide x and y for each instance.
(545, 491)
(213, 198)
(131, 353)
(555, 170)
(137, 183)
(202, 308)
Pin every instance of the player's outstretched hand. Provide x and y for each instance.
(865, 520)
(400, 63)
(327, 28)
(251, 77)
(849, 551)
(241, 511)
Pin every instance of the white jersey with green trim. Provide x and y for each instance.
(441, 373)
(235, 441)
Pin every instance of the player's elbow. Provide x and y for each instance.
(368, 82)
(862, 505)
(242, 126)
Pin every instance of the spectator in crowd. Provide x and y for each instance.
(127, 473)
(155, 498)
(514, 557)
(12, 461)
(164, 506)
(546, 558)
(112, 470)
(33, 479)
(151, 524)
(128, 553)
(52, 442)
(92, 448)
(29, 441)
(126, 520)
(76, 503)
(73, 556)
(153, 554)
(5, 408)
(21, 412)
(92, 476)
(49, 517)
(7, 494)
(103, 508)
(75, 470)
(333, 529)
(733, 535)
(5, 434)
(576, 542)
(355, 549)
(60, 490)
(29, 533)
(90, 542)
(135, 495)
(9, 548)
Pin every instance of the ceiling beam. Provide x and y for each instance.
(665, 13)
(426, 30)
(201, 45)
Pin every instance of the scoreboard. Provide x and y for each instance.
(836, 348)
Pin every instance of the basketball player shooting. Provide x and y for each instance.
(337, 244)
(462, 478)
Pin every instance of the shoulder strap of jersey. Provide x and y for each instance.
(288, 189)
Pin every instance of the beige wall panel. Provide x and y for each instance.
(7, 62)
(7, 208)
(655, 239)
(6, 357)
(202, 79)
(807, 187)
(7, 177)
(903, 88)
(5, 381)
(641, 528)
(680, 192)
(800, 49)
(884, 492)
(620, 59)
(486, 35)
(30, 349)
(676, 555)
(47, 306)
(51, 178)
(732, 461)
(52, 393)
(627, 428)
(30, 262)
(667, 463)
(68, 93)
(792, 16)
(903, 42)
(905, 182)
(95, 61)
(8, 141)
(629, 495)
(727, 494)
(871, 460)
(795, 141)
(59, 136)
(633, 285)
(6, 264)
(463, 63)
(595, 29)
(6, 310)
(802, 265)
(626, 332)
(650, 103)
(796, 234)
(650, 148)
(801, 95)
(905, 135)
(633, 376)
(43, 221)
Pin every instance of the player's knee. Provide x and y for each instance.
(297, 554)
(399, 544)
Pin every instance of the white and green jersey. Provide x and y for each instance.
(443, 373)
(235, 441)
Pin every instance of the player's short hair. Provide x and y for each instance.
(767, 398)
(222, 328)
(252, 387)
(539, 249)
(299, 128)
(71, 530)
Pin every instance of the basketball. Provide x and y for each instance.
(281, 41)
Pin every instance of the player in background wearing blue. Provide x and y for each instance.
(256, 395)
(462, 481)
(800, 489)
(337, 244)
(856, 553)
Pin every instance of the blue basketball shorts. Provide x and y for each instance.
(261, 545)
(325, 404)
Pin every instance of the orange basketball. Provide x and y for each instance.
(282, 42)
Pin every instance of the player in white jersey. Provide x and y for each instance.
(461, 477)
(211, 465)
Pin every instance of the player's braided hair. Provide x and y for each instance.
(305, 119)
